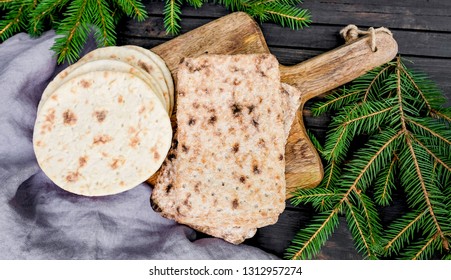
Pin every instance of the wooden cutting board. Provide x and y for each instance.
(238, 33)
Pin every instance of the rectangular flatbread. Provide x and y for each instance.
(228, 169)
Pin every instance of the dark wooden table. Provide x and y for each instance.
(422, 29)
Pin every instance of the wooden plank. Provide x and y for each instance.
(430, 44)
(416, 15)
(322, 37)
(406, 14)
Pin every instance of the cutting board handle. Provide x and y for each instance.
(339, 66)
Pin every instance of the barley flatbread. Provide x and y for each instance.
(290, 104)
(87, 66)
(101, 133)
(290, 98)
(230, 166)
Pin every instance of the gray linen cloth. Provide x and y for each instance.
(38, 220)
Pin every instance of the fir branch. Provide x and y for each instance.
(308, 242)
(335, 101)
(423, 249)
(435, 129)
(133, 8)
(380, 74)
(403, 229)
(195, 3)
(172, 13)
(437, 157)
(407, 145)
(103, 21)
(321, 199)
(285, 15)
(43, 10)
(423, 185)
(357, 226)
(15, 19)
(385, 183)
(74, 29)
(283, 12)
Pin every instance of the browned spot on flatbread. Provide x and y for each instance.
(196, 188)
(254, 123)
(261, 143)
(117, 162)
(146, 67)
(186, 201)
(101, 139)
(168, 188)
(82, 161)
(212, 119)
(121, 183)
(54, 97)
(134, 141)
(255, 168)
(100, 115)
(113, 56)
(69, 117)
(120, 99)
(236, 109)
(49, 121)
(72, 177)
(192, 121)
(236, 82)
(185, 148)
(142, 109)
(64, 74)
(235, 203)
(243, 179)
(85, 84)
(280, 157)
(236, 147)
(156, 155)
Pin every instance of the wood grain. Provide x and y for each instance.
(312, 77)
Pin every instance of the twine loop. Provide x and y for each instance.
(351, 33)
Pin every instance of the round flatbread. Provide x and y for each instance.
(101, 133)
(135, 58)
(163, 67)
(83, 67)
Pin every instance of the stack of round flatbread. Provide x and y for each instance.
(103, 124)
